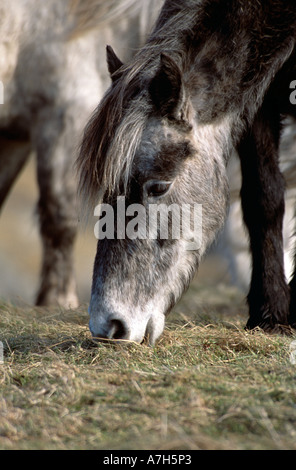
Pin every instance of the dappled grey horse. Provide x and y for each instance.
(52, 76)
(214, 75)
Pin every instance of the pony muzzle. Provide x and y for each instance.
(115, 328)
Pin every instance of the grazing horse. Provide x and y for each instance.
(50, 80)
(213, 76)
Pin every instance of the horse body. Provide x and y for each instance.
(52, 79)
(212, 76)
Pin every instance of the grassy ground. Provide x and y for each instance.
(207, 384)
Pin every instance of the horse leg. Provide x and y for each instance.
(56, 209)
(13, 156)
(262, 196)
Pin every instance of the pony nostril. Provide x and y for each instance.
(118, 330)
(113, 329)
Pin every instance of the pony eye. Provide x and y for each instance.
(157, 188)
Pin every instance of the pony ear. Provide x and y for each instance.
(166, 88)
(113, 63)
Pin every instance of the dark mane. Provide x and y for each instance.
(115, 129)
(114, 132)
(106, 154)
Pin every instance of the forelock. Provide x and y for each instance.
(110, 141)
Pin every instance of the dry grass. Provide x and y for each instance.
(207, 384)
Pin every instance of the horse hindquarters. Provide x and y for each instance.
(262, 196)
